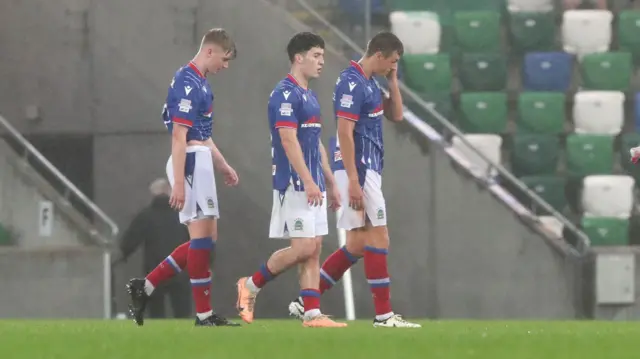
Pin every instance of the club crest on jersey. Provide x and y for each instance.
(298, 225)
(184, 105)
(285, 109)
(346, 101)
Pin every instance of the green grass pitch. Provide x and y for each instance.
(284, 339)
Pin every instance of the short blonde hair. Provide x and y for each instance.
(221, 38)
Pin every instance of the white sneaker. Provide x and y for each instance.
(395, 321)
(296, 309)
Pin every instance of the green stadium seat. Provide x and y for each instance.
(541, 112)
(446, 8)
(532, 31)
(606, 231)
(442, 103)
(5, 236)
(477, 31)
(483, 72)
(483, 112)
(549, 188)
(427, 72)
(628, 30)
(607, 71)
(534, 154)
(589, 154)
(628, 141)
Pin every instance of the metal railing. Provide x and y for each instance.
(419, 125)
(109, 231)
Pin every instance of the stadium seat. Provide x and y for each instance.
(419, 31)
(607, 71)
(598, 112)
(534, 154)
(441, 102)
(356, 7)
(586, 31)
(628, 141)
(483, 112)
(483, 72)
(488, 145)
(547, 71)
(532, 31)
(589, 155)
(549, 188)
(5, 236)
(428, 72)
(607, 196)
(541, 112)
(628, 30)
(477, 31)
(603, 231)
(530, 5)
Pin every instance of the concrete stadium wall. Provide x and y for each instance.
(102, 67)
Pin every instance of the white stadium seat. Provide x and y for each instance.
(530, 5)
(586, 31)
(552, 224)
(488, 145)
(418, 30)
(598, 112)
(607, 196)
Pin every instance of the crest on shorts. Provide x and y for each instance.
(298, 225)
(380, 213)
(210, 203)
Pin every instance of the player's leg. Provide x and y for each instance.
(376, 251)
(342, 259)
(140, 289)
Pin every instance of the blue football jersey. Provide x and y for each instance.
(291, 106)
(359, 99)
(189, 103)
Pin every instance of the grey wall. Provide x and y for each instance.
(109, 78)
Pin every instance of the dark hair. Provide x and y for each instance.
(303, 42)
(385, 42)
(222, 38)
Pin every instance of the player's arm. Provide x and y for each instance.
(326, 167)
(218, 159)
(348, 105)
(182, 120)
(287, 126)
(289, 139)
(392, 105)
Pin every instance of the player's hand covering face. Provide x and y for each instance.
(387, 66)
(312, 62)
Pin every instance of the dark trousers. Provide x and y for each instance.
(178, 291)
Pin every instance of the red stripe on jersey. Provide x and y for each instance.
(183, 121)
(286, 124)
(194, 68)
(347, 115)
(359, 68)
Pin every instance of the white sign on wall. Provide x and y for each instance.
(45, 218)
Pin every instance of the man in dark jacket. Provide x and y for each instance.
(157, 229)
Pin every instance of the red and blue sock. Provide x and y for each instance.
(198, 259)
(377, 273)
(260, 278)
(172, 265)
(334, 267)
(311, 299)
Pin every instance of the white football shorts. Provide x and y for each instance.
(200, 196)
(293, 217)
(374, 204)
